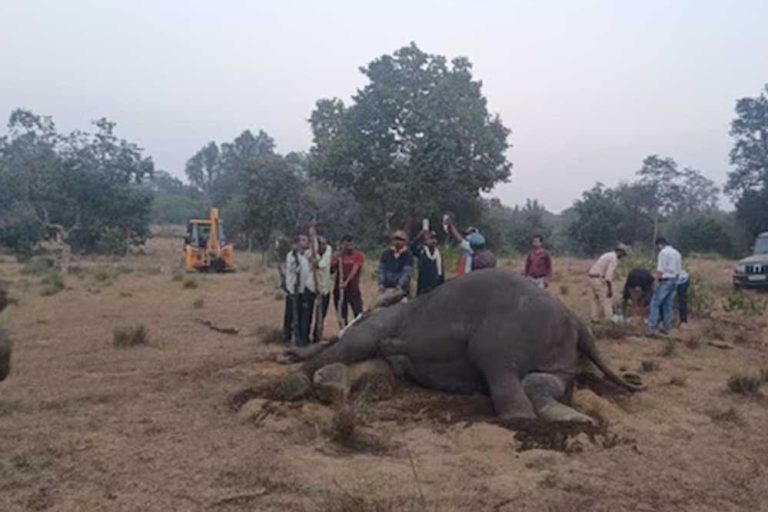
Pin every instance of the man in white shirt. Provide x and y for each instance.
(300, 297)
(668, 269)
(601, 276)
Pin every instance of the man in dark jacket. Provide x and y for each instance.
(638, 290)
(424, 248)
(396, 265)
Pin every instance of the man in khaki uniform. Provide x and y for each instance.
(601, 283)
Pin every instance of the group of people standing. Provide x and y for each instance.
(317, 273)
(314, 274)
(657, 291)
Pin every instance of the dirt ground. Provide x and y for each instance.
(85, 425)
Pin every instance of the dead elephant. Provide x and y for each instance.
(490, 331)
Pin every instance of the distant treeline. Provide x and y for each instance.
(417, 141)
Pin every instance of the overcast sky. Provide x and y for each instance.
(588, 88)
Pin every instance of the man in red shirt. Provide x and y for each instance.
(538, 264)
(352, 262)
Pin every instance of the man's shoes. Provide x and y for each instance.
(650, 333)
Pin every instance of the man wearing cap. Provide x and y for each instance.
(396, 265)
(482, 257)
(601, 277)
(669, 266)
(476, 256)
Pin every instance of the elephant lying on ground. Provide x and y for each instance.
(490, 331)
(5, 342)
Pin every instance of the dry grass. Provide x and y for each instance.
(130, 336)
(190, 283)
(364, 502)
(199, 303)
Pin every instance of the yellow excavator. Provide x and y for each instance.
(205, 248)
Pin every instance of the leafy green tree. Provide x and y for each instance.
(174, 201)
(598, 216)
(83, 190)
(703, 233)
(416, 141)
(748, 181)
(217, 171)
(660, 176)
(204, 169)
(268, 200)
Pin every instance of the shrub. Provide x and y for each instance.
(39, 266)
(270, 335)
(344, 422)
(678, 380)
(713, 331)
(744, 384)
(130, 336)
(199, 303)
(693, 343)
(102, 274)
(745, 303)
(53, 283)
(649, 365)
(669, 348)
(729, 415)
(177, 277)
(190, 283)
(701, 297)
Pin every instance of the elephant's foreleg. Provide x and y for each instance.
(545, 390)
(336, 381)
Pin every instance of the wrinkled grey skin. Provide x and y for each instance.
(5, 342)
(490, 331)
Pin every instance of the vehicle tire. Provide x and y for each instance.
(218, 265)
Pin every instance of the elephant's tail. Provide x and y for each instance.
(587, 348)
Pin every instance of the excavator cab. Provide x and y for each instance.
(205, 247)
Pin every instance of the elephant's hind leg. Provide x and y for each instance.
(545, 390)
(509, 398)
